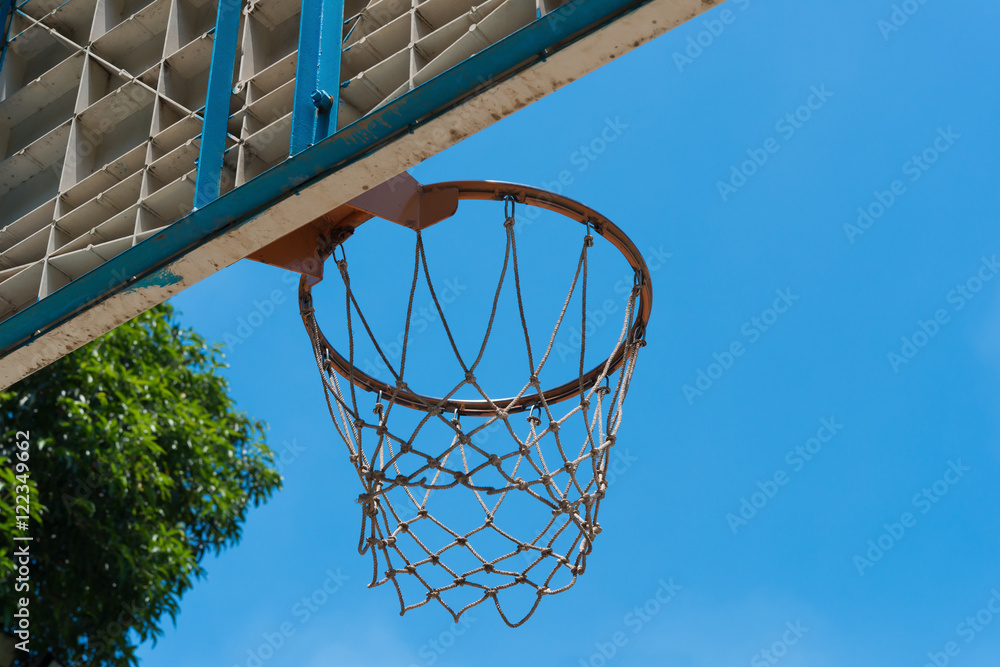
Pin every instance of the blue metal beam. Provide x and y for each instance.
(328, 71)
(6, 20)
(220, 88)
(317, 73)
(513, 53)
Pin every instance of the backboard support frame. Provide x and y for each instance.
(333, 171)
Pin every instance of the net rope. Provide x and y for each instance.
(566, 482)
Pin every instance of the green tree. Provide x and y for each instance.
(143, 466)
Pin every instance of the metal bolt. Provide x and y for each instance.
(323, 100)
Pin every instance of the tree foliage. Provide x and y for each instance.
(143, 466)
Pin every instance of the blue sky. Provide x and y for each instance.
(875, 534)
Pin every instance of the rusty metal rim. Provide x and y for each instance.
(523, 194)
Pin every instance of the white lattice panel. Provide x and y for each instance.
(101, 107)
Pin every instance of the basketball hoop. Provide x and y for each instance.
(569, 480)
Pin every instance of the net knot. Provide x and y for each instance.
(521, 484)
(542, 590)
(369, 507)
(554, 427)
(459, 581)
(461, 541)
(432, 595)
(410, 568)
(470, 377)
(509, 222)
(402, 386)
(585, 404)
(488, 568)
(533, 380)
(489, 520)
(521, 578)
(588, 241)
(359, 423)
(502, 414)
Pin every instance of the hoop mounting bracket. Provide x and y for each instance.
(401, 199)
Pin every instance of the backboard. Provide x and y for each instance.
(148, 144)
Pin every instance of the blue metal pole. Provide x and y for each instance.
(328, 77)
(220, 84)
(6, 20)
(317, 73)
